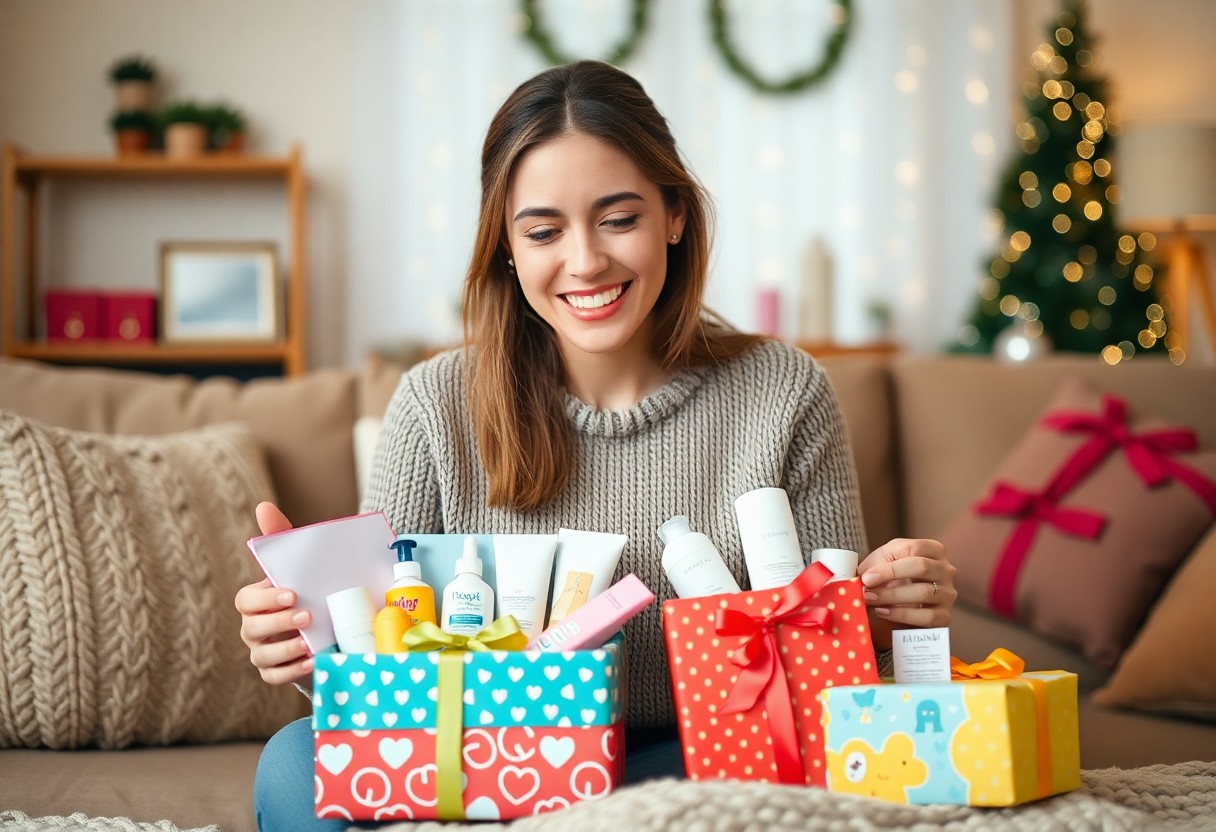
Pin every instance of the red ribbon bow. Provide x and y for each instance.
(1032, 509)
(761, 672)
(1149, 452)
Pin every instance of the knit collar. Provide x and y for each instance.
(645, 414)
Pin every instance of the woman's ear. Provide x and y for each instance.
(675, 221)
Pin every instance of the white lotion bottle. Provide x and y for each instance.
(468, 601)
(352, 612)
(770, 541)
(692, 562)
(842, 562)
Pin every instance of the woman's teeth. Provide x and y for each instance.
(595, 301)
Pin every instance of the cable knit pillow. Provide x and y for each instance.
(1084, 522)
(120, 559)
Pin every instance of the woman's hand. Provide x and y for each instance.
(909, 583)
(270, 625)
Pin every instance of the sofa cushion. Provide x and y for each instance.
(959, 415)
(1167, 669)
(1087, 568)
(863, 390)
(303, 425)
(121, 557)
(190, 786)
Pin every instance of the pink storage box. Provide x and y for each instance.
(73, 314)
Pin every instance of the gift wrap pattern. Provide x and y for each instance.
(540, 731)
(740, 745)
(979, 743)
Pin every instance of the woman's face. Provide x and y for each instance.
(589, 235)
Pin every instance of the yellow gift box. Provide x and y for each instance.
(997, 736)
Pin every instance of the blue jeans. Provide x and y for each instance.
(283, 785)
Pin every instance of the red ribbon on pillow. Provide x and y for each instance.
(761, 669)
(1033, 508)
(1150, 453)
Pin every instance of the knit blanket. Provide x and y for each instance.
(1181, 796)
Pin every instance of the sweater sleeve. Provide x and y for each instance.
(819, 474)
(403, 481)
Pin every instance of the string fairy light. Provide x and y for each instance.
(1066, 121)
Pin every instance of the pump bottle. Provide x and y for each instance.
(409, 591)
(468, 601)
(692, 562)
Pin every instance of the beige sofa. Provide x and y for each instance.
(927, 433)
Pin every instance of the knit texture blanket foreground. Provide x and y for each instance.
(1180, 796)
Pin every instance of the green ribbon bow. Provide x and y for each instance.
(424, 637)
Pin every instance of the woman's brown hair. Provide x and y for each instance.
(516, 390)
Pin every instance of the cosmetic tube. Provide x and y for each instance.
(352, 613)
(586, 562)
(842, 562)
(522, 565)
(770, 541)
(593, 624)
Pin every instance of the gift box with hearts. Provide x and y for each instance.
(996, 737)
(536, 732)
(746, 668)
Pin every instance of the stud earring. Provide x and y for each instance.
(511, 263)
(675, 238)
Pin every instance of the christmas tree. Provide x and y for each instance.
(1064, 270)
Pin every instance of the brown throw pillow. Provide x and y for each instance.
(1090, 570)
(120, 559)
(1167, 669)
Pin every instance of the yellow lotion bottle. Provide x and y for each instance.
(409, 591)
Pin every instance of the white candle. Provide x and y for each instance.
(815, 321)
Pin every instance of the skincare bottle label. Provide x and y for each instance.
(573, 595)
(418, 603)
(921, 655)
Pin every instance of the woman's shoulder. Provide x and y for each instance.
(772, 365)
(432, 387)
(443, 372)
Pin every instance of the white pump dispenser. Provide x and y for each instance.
(692, 562)
(468, 601)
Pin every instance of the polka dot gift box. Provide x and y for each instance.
(535, 732)
(746, 669)
(975, 742)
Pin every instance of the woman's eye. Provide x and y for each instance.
(623, 222)
(541, 236)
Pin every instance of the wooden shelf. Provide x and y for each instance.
(109, 352)
(31, 167)
(21, 191)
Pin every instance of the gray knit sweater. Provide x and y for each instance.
(768, 418)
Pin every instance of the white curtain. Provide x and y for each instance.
(890, 163)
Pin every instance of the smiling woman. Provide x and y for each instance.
(597, 392)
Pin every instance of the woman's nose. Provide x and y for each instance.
(585, 259)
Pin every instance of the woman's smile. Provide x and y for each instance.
(596, 304)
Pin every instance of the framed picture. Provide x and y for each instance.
(220, 292)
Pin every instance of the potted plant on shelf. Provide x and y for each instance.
(227, 128)
(133, 77)
(186, 127)
(133, 131)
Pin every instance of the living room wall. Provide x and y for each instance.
(286, 65)
(291, 67)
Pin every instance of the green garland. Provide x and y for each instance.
(795, 83)
(534, 30)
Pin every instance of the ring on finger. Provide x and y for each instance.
(935, 587)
